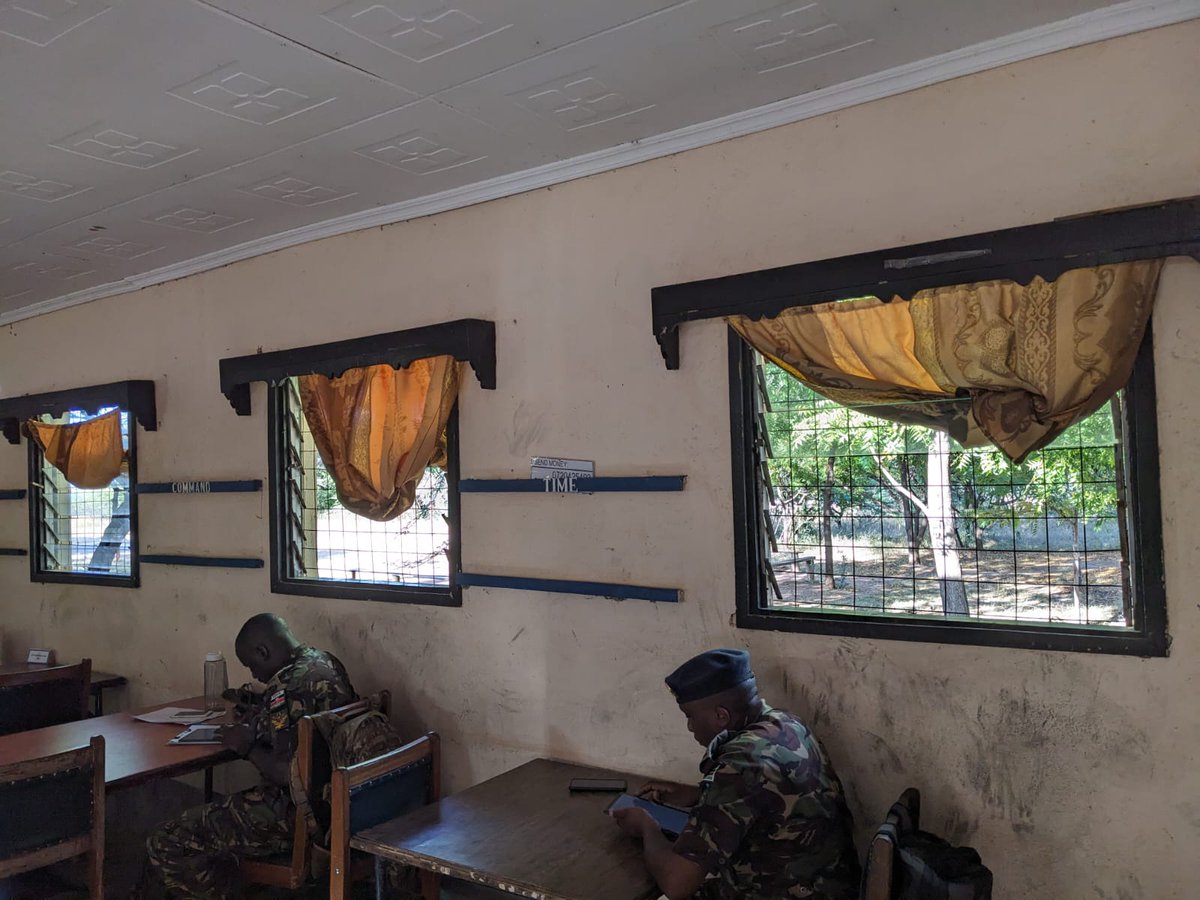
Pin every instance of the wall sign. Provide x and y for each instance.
(561, 476)
(247, 486)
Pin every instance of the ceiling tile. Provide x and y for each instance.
(427, 45)
(139, 134)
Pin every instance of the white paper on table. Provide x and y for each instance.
(176, 715)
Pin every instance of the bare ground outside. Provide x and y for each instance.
(1013, 585)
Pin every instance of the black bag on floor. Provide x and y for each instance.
(929, 868)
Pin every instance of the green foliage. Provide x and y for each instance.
(1072, 479)
(327, 497)
(431, 497)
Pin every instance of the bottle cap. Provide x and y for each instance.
(213, 657)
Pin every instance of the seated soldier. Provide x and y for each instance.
(197, 855)
(768, 819)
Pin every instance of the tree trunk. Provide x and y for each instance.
(942, 538)
(115, 531)
(1076, 564)
(827, 523)
(912, 516)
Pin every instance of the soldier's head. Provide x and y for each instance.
(265, 645)
(716, 691)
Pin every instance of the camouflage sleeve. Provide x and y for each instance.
(734, 797)
(308, 689)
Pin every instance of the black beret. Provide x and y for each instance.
(709, 673)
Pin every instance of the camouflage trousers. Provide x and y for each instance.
(196, 856)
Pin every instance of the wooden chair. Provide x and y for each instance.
(52, 809)
(904, 817)
(49, 696)
(293, 870)
(376, 791)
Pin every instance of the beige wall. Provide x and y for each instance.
(1075, 775)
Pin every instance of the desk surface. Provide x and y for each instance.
(134, 752)
(100, 680)
(523, 832)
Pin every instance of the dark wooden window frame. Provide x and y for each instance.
(1148, 637)
(1048, 250)
(472, 341)
(1017, 254)
(468, 340)
(133, 397)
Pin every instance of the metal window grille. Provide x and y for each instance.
(324, 541)
(847, 515)
(82, 531)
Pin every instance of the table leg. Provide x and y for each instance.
(378, 878)
(97, 702)
(208, 785)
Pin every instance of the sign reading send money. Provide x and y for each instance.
(560, 474)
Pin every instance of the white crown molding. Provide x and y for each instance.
(1098, 25)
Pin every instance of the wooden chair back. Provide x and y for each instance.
(315, 768)
(879, 875)
(49, 696)
(51, 809)
(378, 790)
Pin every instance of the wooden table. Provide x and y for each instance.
(100, 680)
(524, 833)
(134, 752)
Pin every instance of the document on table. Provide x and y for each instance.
(176, 715)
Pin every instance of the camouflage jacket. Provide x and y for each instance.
(772, 820)
(312, 682)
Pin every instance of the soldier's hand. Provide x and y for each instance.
(670, 793)
(238, 738)
(634, 821)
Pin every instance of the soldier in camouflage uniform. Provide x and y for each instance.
(769, 819)
(196, 856)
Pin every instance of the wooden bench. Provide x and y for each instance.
(809, 562)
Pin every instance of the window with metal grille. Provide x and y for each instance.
(86, 535)
(320, 548)
(852, 524)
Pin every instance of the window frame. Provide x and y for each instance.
(38, 574)
(1147, 638)
(284, 583)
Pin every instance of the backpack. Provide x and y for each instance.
(929, 868)
(345, 742)
(923, 866)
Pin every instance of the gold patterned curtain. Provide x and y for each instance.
(378, 428)
(1032, 359)
(89, 454)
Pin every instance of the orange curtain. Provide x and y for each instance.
(1029, 360)
(378, 428)
(89, 454)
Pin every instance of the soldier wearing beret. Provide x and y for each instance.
(768, 819)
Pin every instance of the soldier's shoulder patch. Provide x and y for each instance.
(278, 699)
(279, 719)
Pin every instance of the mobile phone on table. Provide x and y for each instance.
(597, 785)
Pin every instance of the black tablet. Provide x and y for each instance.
(670, 819)
(199, 734)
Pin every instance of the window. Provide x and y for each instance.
(320, 548)
(78, 534)
(851, 524)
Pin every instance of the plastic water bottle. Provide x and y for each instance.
(215, 682)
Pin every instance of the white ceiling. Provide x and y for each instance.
(145, 139)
